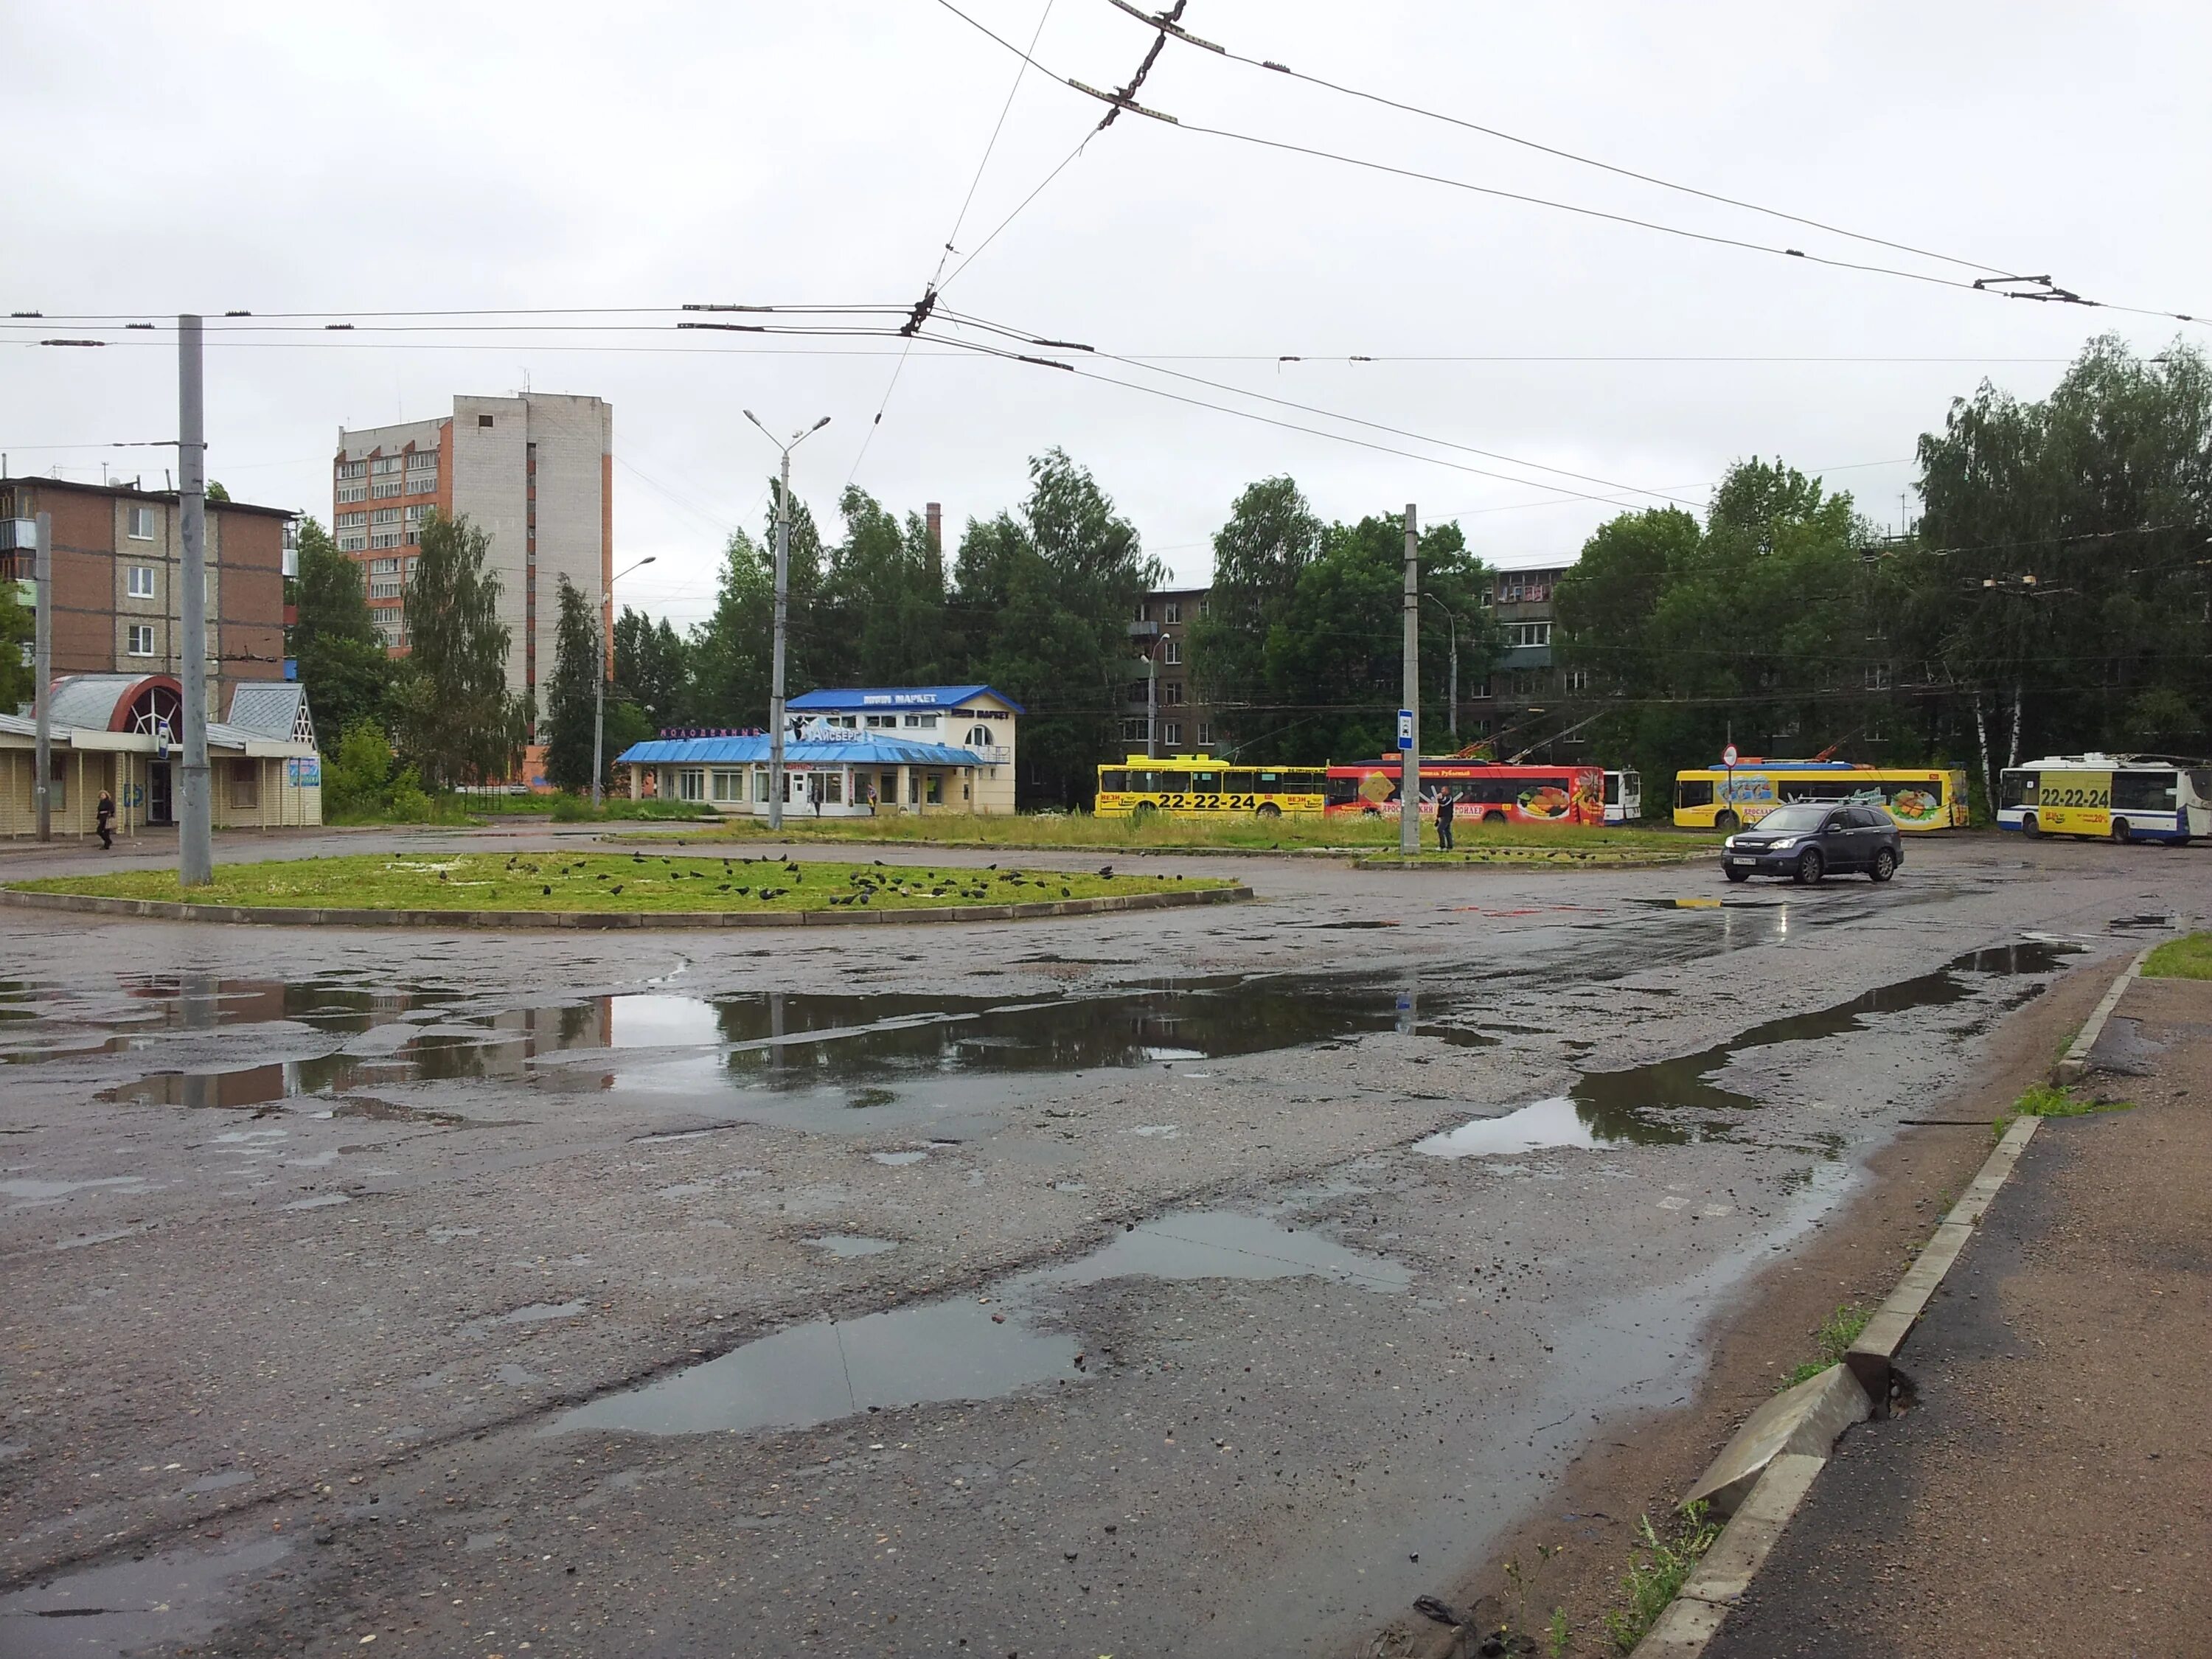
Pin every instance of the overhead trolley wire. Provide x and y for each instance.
(1999, 286)
(1168, 28)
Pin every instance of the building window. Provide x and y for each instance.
(353, 492)
(1133, 730)
(141, 640)
(760, 786)
(383, 587)
(1173, 653)
(385, 538)
(484, 419)
(384, 567)
(1205, 734)
(245, 784)
(1578, 679)
(353, 469)
(880, 722)
(926, 722)
(1171, 733)
(1171, 692)
(1205, 609)
(352, 520)
(355, 542)
(418, 511)
(1877, 677)
(729, 785)
(388, 463)
(1521, 635)
(1171, 611)
(384, 515)
(691, 784)
(833, 788)
(141, 581)
(141, 524)
(384, 486)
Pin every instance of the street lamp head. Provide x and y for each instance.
(819, 425)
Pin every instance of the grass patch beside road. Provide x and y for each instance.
(1162, 832)
(2181, 959)
(1656, 1575)
(1838, 1332)
(2048, 1100)
(602, 882)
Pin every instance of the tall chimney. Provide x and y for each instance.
(933, 516)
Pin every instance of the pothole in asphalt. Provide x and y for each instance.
(130, 1606)
(1610, 1109)
(846, 1245)
(962, 1347)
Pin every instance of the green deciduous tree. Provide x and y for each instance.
(458, 721)
(1270, 539)
(1043, 599)
(653, 669)
(729, 653)
(18, 684)
(883, 617)
(341, 657)
(572, 692)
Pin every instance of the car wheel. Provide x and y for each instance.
(2030, 827)
(1737, 875)
(1371, 813)
(2120, 831)
(1494, 817)
(1885, 865)
(1727, 823)
(1142, 810)
(1269, 809)
(1811, 866)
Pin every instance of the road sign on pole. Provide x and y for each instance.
(1727, 755)
(1405, 728)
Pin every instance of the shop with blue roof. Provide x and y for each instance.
(849, 753)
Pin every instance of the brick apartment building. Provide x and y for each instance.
(536, 471)
(1162, 630)
(118, 554)
(1526, 678)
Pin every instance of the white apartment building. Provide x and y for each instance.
(535, 473)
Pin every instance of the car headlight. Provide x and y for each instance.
(1728, 846)
(1786, 842)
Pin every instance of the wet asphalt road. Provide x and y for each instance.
(1140, 1283)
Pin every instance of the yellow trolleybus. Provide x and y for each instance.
(1725, 798)
(1200, 783)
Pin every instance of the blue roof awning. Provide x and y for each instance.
(898, 698)
(873, 749)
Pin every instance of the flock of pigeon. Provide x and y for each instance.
(781, 875)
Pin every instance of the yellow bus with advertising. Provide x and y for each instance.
(1729, 797)
(1141, 786)
(2113, 797)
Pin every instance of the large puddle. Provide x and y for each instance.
(1612, 1108)
(130, 1606)
(964, 1348)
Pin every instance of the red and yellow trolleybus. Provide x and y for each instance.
(1483, 791)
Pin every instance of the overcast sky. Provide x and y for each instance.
(291, 158)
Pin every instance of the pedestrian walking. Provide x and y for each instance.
(106, 819)
(1444, 817)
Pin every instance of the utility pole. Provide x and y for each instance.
(782, 617)
(606, 672)
(195, 836)
(1451, 618)
(42, 664)
(1409, 738)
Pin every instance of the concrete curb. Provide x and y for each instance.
(589, 921)
(2075, 1065)
(1788, 1439)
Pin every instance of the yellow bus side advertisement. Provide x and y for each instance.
(2075, 803)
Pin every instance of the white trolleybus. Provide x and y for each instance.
(2113, 797)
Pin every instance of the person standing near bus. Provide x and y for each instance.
(1444, 801)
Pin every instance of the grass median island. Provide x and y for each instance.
(2181, 959)
(1166, 832)
(606, 882)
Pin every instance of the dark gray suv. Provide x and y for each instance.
(1808, 841)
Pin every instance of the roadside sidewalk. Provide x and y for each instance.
(2048, 1488)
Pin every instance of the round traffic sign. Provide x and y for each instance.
(1727, 755)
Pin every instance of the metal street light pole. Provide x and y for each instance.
(606, 668)
(195, 833)
(782, 610)
(1409, 739)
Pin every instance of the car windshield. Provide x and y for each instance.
(1792, 820)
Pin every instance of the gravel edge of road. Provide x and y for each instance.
(1730, 1565)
